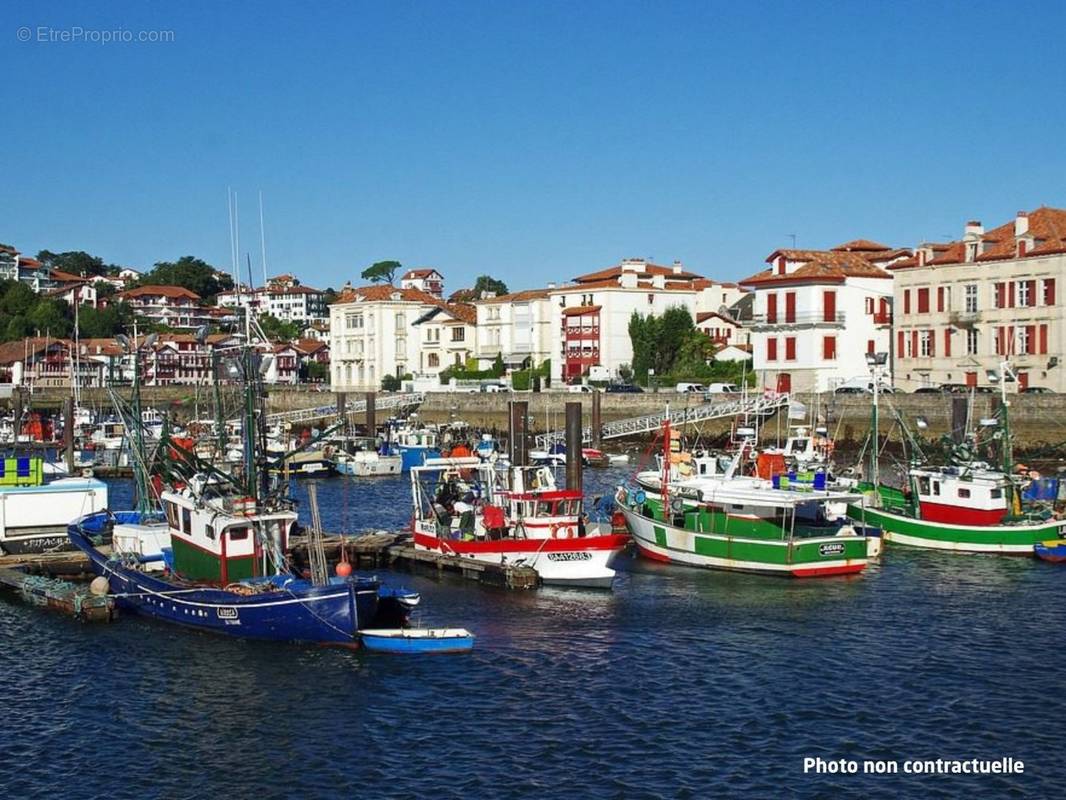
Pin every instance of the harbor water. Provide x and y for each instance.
(679, 683)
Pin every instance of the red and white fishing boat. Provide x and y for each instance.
(466, 507)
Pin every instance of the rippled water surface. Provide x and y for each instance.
(679, 683)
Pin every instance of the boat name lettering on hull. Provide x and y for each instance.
(227, 613)
(831, 549)
(569, 557)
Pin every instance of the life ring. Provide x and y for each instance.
(560, 531)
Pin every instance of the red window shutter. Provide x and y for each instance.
(1032, 292)
(947, 342)
(1043, 340)
(999, 341)
(923, 301)
(1001, 295)
(914, 344)
(829, 306)
(771, 349)
(1049, 292)
(829, 347)
(870, 345)
(771, 308)
(906, 301)
(939, 298)
(790, 306)
(790, 348)
(932, 343)
(1030, 339)
(899, 345)
(971, 379)
(1011, 302)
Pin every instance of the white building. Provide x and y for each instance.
(300, 304)
(817, 313)
(387, 330)
(965, 306)
(425, 280)
(516, 326)
(592, 314)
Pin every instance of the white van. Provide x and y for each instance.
(723, 388)
(580, 388)
(684, 388)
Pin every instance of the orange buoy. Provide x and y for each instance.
(344, 569)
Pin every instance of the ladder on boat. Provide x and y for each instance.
(761, 406)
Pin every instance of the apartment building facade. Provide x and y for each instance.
(966, 306)
(817, 313)
(516, 327)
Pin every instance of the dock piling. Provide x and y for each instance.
(518, 435)
(573, 446)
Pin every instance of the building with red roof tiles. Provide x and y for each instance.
(817, 313)
(965, 306)
(425, 279)
(382, 330)
(516, 327)
(173, 306)
(591, 315)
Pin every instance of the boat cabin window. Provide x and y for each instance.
(936, 487)
(238, 534)
(210, 531)
(186, 521)
(997, 494)
(172, 514)
(923, 486)
(964, 492)
(738, 506)
(799, 444)
(544, 509)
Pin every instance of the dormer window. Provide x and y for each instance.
(971, 251)
(1021, 247)
(781, 265)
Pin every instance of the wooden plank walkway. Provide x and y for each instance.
(74, 599)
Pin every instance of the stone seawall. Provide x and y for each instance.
(1038, 420)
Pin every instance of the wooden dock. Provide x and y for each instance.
(76, 600)
(381, 549)
(67, 562)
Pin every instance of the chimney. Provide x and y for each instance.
(632, 265)
(1021, 224)
(658, 281)
(678, 268)
(551, 284)
(974, 229)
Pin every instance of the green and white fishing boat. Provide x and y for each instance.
(968, 505)
(703, 512)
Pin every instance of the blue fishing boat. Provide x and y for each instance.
(415, 445)
(277, 607)
(418, 640)
(227, 568)
(1051, 550)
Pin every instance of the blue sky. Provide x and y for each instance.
(530, 141)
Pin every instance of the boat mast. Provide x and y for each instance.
(876, 361)
(666, 465)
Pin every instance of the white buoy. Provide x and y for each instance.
(99, 586)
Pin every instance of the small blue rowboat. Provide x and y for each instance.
(1051, 550)
(418, 640)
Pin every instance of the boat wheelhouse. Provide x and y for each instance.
(465, 507)
(415, 444)
(34, 512)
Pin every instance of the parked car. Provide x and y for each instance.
(623, 388)
(852, 390)
(723, 388)
(580, 388)
(929, 390)
(954, 388)
(1036, 390)
(684, 388)
(494, 387)
(863, 385)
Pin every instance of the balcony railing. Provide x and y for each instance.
(802, 318)
(883, 318)
(963, 318)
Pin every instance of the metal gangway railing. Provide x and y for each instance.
(381, 403)
(760, 406)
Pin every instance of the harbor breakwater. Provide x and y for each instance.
(1037, 420)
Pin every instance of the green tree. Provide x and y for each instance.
(104, 290)
(192, 273)
(76, 262)
(625, 372)
(18, 299)
(498, 367)
(381, 272)
(50, 317)
(486, 283)
(390, 383)
(104, 323)
(278, 331)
